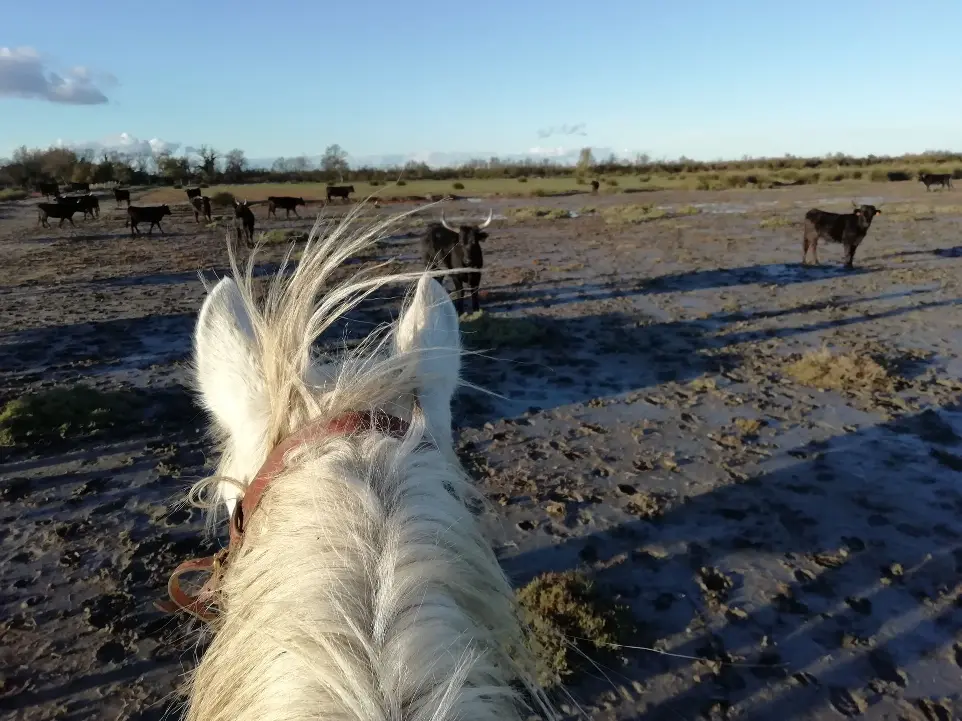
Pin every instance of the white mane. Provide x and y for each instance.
(364, 590)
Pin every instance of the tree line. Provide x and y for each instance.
(207, 165)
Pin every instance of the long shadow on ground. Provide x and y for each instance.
(854, 591)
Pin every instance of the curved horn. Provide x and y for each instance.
(445, 223)
(486, 223)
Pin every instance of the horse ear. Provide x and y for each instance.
(229, 374)
(429, 328)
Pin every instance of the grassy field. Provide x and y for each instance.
(563, 185)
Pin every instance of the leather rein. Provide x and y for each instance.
(201, 604)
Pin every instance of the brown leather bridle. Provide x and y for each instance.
(201, 604)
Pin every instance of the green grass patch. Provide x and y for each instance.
(484, 330)
(67, 412)
(568, 623)
(13, 194)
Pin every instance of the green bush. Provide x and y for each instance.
(401, 182)
(14, 194)
(458, 186)
(222, 198)
(522, 179)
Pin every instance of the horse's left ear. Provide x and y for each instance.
(229, 373)
(429, 328)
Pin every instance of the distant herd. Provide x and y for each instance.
(442, 245)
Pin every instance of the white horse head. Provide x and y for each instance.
(362, 587)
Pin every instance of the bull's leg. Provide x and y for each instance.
(458, 292)
(160, 228)
(296, 215)
(805, 245)
(475, 281)
(850, 255)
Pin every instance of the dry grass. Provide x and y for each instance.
(282, 236)
(777, 221)
(569, 623)
(534, 212)
(852, 371)
(631, 214)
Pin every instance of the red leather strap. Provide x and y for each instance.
(201, 604)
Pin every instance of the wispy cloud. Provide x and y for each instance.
(576, 129)
(23, 74)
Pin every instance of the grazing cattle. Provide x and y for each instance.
(121, 195)
(339, 191)
(48, 189)
(80, 187)
(849, 229)
(943, 179)
(457, 248)
(594, 186)
(192, 193)
(244, 222)
(64, 211)
(146, 214)
(201, 207)
(285, 202)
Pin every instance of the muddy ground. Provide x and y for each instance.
(804, 566)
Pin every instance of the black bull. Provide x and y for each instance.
(849, 229)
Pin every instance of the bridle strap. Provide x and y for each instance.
(201, 604)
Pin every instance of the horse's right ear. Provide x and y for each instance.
(229, 373)
(429, 328)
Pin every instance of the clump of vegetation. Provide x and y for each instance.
(458, 185)
(13, 194)
(529, 213)
(223, 198)
(375, 182)
(522, 179)
(611, 182)
(401, 182)
(776, 221)
(688, 210)
(483, 330)
(567, 620)
(67, 412)
(631, 214)
(841, 371)
(282, 236)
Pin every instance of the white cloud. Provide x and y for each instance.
(123, 143)
(23, 74)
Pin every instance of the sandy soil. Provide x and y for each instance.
(806, 567)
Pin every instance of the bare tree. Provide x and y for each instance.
(208, 160)
(235, 164)
(335, 161)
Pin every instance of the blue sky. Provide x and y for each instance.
(702, 78)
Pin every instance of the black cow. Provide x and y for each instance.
(121, 195)
(80, 187)
(64, 211)
(201, 206)
(282, 201)
(849, 229)
(339, 191)
(244, 222)
(457, 248)
(48, 189)
(146, 214)
(192, 193)
(943, 179)
(594, 186)
(87, 204)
